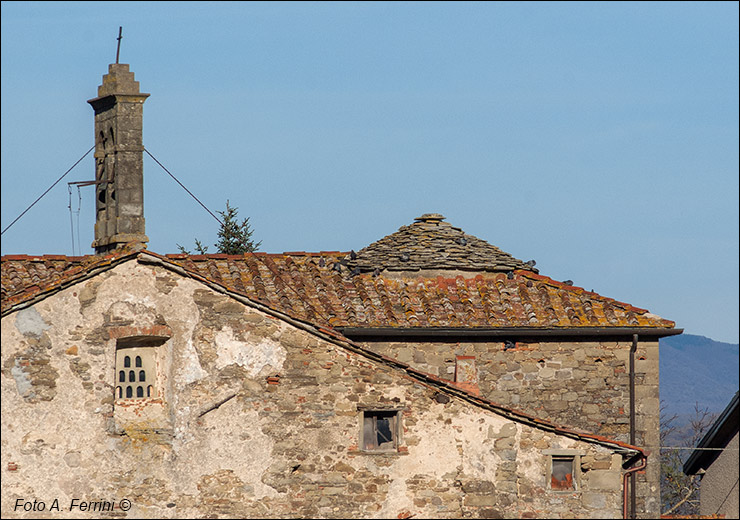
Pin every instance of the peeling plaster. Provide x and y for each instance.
(212, 447)
(30, 323)
(254, 357)
(191, 370)
(435, 454)
(22, 381)
(183, 316)
(128, 292)
(396, 500)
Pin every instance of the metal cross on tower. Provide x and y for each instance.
(118, 50)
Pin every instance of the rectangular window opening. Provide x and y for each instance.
(562, 476)
(563, 470)
(380, 430)
(136, 370)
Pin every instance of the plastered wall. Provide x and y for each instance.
(253, 418)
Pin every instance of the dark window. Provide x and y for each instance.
(127, 362)
(129, 392)
(142, 375)
(131, 376)
(380, 430)
(121, 376)
(138, 361)
(139, 391)
(562, 474)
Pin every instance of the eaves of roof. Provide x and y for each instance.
(506, 333)
(318, 287)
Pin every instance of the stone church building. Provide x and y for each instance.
(428, 375)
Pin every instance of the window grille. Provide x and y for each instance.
(139, 383)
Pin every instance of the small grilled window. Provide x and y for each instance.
(136, 368)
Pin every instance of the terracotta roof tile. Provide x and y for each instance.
(25, 277)
(450, 280)
(70, 269)
(298, 286)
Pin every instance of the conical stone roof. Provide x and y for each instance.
(431, 244)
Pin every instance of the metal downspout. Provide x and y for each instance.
(631, 473)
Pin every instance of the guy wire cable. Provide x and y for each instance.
(49, 189)
(305, 301)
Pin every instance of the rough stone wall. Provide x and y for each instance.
(579, 384)
(253, 418)
(119, 159)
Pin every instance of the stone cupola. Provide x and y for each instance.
(119, 164)
(431, 244)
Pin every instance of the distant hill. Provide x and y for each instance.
(696, 369)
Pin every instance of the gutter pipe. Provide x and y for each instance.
(630, 473)
(633, 434)
(371, 333)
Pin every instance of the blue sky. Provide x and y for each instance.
(600, 139)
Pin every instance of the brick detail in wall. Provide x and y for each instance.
(130, 331)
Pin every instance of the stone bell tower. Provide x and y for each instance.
(119, 162)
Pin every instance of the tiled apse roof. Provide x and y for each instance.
(430, 243)
(317, 287)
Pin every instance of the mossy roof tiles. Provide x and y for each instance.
(27, 278)
(315, 288)
(427, 275)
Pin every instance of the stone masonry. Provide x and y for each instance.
(430, 374)
(119, 168)
(582, 384)
(256, 417)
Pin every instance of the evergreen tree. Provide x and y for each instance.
(234, 238)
